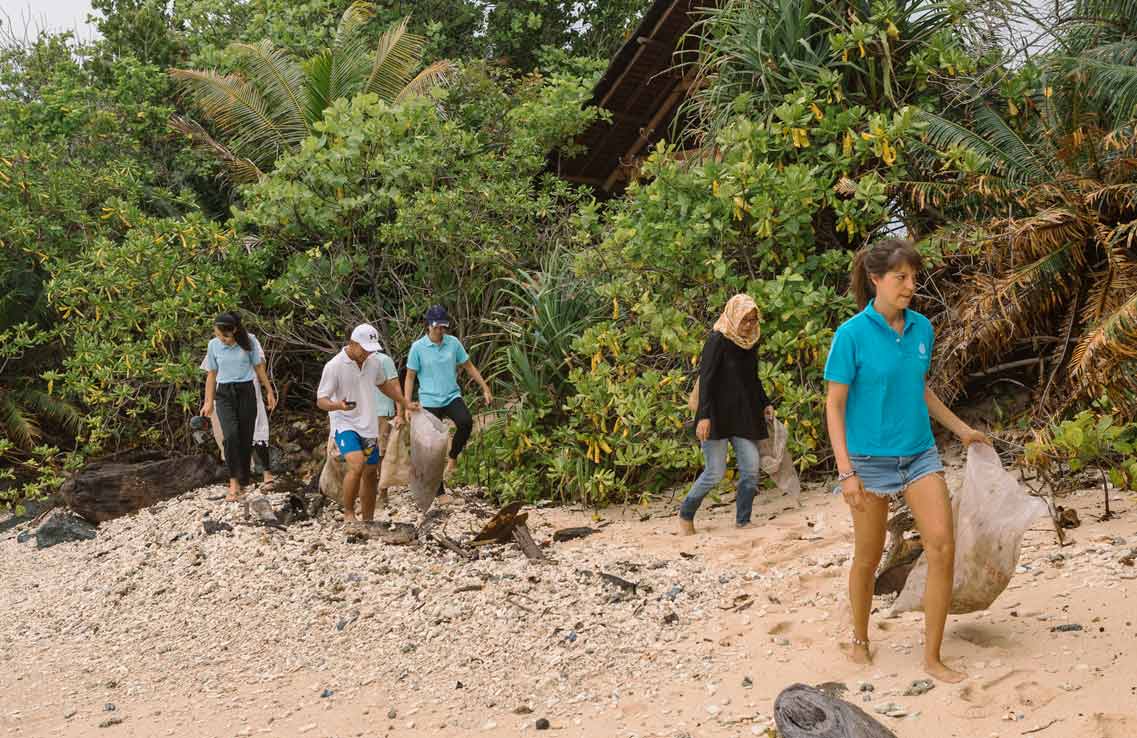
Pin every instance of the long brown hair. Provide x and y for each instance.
(877, 260)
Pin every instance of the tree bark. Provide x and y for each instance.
(101, 492)
(801, 711)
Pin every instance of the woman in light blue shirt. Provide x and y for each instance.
(878, 410)
(434, 360)
(234, 360)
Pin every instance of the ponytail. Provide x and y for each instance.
(876, 260)
(232, 321)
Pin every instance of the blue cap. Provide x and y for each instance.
(437, 315)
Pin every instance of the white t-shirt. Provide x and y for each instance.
(343, 379)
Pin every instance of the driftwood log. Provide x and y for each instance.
(101, 492)
(801, 711)
(509, 524)
(900, 555)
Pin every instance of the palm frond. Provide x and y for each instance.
(1115, 336)
(63, 414)
(282, 82)
(1008, 142)
(350, 56)
(1050, 229)
(396, 57)
(239, 169)
(238, 109)
(944, 134)
(18, 426)
(438, 73)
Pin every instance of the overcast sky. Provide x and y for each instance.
(55, 15)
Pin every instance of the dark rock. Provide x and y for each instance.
(109, 707)
(63, 527)
(670, 619)
(215, 526)
(523, 710)
(24, 536)
(1066, 628)
(110, 721)
(391, 714)
(542, 724)
(326, 693)
(747, 682)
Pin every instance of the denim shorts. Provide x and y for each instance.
(890, 475)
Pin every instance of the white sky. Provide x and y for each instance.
(54, 15)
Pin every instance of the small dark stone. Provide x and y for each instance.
(109, 707)
(747, 682)
(522, 710)
(458, 685)
(542, 724)
(866, 687)
(1066, 628)
(326, 693)
(215, 526)
(670, 619)
(62, 526)
(391, 714)
(111, 684)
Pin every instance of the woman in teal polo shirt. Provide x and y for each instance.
(434, 360)
(877, 408)
(233, 361)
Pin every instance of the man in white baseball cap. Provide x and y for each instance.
(346, 393)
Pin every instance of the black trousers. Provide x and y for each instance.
(460, 414)
(236, 406)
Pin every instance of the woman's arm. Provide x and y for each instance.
(262, 376)
(409, 384)
(472, 370)
(942, 413)
(836, 398)
(210, 388)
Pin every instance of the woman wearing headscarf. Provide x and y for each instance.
(732, 408)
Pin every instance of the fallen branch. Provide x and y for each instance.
(1044, 727)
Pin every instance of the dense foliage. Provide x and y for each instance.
(367, 190)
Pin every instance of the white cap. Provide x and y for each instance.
(367, 337)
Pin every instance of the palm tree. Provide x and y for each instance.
(272, 103)
(1052, 274)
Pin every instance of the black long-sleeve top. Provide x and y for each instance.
(730, 393)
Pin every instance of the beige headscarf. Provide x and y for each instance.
(737, 308)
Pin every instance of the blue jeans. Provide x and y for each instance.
(714, 456)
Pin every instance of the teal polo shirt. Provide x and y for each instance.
(886, 414)
(232, 363)
(436, 365)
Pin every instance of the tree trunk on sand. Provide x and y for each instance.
(806, 712)
(101, 492)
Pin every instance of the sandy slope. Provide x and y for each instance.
(240, 634)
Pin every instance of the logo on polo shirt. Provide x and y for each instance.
(923, 348)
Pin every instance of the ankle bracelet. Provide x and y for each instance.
(860, 641)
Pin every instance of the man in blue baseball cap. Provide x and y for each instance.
(434, 360)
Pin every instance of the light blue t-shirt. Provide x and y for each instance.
(232, 363)
(886, 413)
(385, 406)
(437, 368)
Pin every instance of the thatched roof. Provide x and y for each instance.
(642, 89)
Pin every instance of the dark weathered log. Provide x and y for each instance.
(500, 527)
(891, 580)
(103, 492)
(801, 711)
(396, 534)
(900, 555)
(567, 534)
(525, 541)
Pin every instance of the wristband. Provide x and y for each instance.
(846, 475)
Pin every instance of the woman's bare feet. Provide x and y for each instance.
(234, 491)
(944, 674)
(858, 653)
(686, 527)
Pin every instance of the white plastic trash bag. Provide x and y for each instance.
(430, 442)
(776, 462)
(991, 514)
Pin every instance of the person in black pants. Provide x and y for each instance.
(234, 359)
(732, 409)
(434, 360)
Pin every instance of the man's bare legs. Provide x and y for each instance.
(868, 534)
(368, 481)
(351, 480)
(931, 506)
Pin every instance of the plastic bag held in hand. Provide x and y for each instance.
(396, 464)
(430, 442)
(777, 462)
(991, 514)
